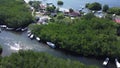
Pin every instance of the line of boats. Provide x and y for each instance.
(105, 63)
(32, 36)
(8, 28)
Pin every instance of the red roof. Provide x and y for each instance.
(117, 20)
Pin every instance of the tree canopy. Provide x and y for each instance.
(105, 8)
(89, 37)
(114, 10)
(30, 59)
(59, 2)
(14, 13)
(94, 6)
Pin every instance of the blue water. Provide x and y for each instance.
(77, 4)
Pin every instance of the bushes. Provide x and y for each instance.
(14, 13)
(30, 59)
(114, 10)
(96, 37)
(105, 8)
(60, 2)
(94, 6)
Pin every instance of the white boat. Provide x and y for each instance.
(28, 31)
(23, 29)
(9, 28)
(3, 26)
(117, 63)
(106, 61)
(51, 44)
(31, 36)
(37, 38)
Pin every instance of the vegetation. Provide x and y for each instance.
(94, 6)
(114, 10)
(35, 4)
(59, 2)
(0, 50)
(50, 8)
(14, 13)
(71, 10)
(30, 59)
(86, 36)
(105, 8)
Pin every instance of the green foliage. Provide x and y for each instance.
(50, 8)
(105, 8)
(88, 16)
(94, 6)
(35, 4)
(114, 10)
(91, 37)
(71, 10)
(14, 13)
(59, 2)
(87, 4)
(60, 16)
(30, 59)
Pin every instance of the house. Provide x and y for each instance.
(64, 10)
(74, 14)
(43, 6)
(117, 20)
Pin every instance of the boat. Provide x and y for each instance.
(7, 28)
(28, 31)
(37, 38)
(23, 29)
(31, 36)
(51, 44)
(3, 26)
(117, 63)
(18, 29)
(106, 61)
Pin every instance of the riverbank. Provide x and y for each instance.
(8, 38)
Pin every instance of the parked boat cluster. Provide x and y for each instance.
(105, 63)
(8, 28)
(32, 36)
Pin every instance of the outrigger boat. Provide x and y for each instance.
(51, 44)
(117, 63)
(106, 61)
(37, 38)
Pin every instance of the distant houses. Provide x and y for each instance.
(117, 20)
(68, 13)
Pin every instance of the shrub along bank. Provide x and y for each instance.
(14, 13)
(88, 37)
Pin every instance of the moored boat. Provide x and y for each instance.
(28, 31)
(7, 28)
(28, 34)
(117, 63)
(37, 38)
(106, 61)
(24, 29)
(3, 26)
(31, 36)
(51, 44)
